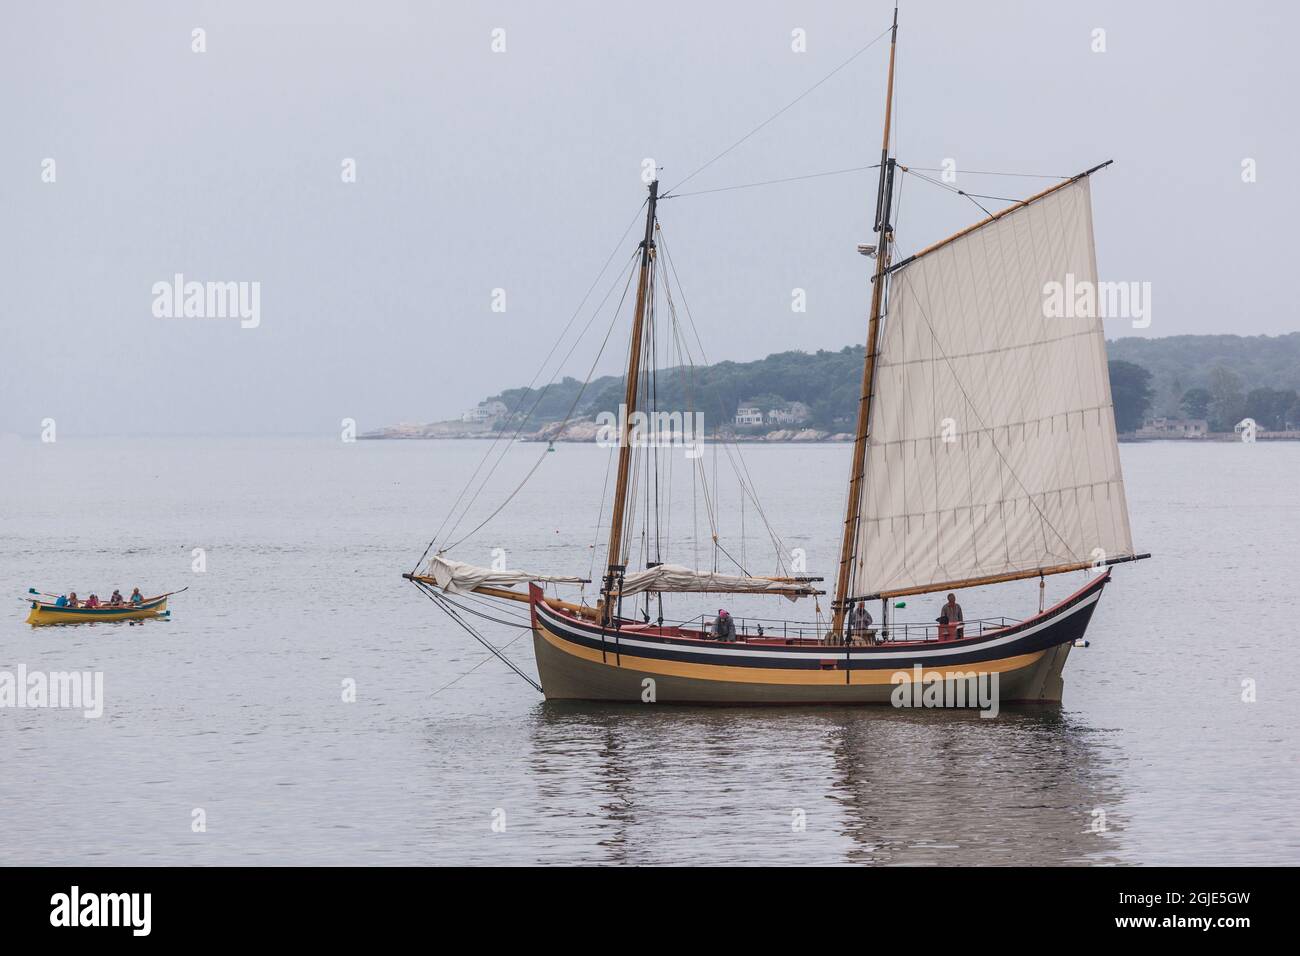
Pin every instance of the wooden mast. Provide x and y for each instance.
(614, 557)
(884, 194)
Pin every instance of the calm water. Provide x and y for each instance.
(235, 706)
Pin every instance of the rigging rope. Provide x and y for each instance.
(772, 182)
(457, 680)
(525, 393)
(973, 197)
(985, 172)
(455, 616)
(778, 543)
(604, 494)
(858, 53)
(568, 415)
(519, 619)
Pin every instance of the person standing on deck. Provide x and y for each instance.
(951, 614)
(859, 623)
(724, 628)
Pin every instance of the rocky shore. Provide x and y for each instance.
(584, 431)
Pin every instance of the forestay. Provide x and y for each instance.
(992, 446)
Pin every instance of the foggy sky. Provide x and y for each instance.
(518, 170)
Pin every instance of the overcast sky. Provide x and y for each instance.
(478, 170)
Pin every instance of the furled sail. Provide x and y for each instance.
(676, 577)
(992, 447)
(460, 578)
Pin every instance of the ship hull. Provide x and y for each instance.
(578, 660)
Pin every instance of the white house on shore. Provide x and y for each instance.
(1173, 428)
(484, 412)
(791, 413)
(780, 413)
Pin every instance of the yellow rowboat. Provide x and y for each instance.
(46, 612)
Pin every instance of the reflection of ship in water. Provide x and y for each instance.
(605, 779)
(1031, 787)
(667, 785)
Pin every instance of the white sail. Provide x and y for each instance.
(992, 443)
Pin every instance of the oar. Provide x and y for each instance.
(48, 594)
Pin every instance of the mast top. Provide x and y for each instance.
(653, 187)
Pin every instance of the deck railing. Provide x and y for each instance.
(814, 633)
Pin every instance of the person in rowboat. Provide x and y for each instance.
(92, 601)
(62, 601)
(72, 600)
(116, 599)
(136, 597)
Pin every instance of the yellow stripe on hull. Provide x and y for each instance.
(45, 614)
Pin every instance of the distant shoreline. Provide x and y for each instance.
(806, 439)
(1214, 438)
(814, 396)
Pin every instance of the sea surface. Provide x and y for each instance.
(227, 738)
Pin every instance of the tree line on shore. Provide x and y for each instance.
(1221, 405)
(1219, 378)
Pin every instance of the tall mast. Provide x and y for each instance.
(629, 403)
(884, 194)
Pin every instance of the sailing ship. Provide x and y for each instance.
(984, 453)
